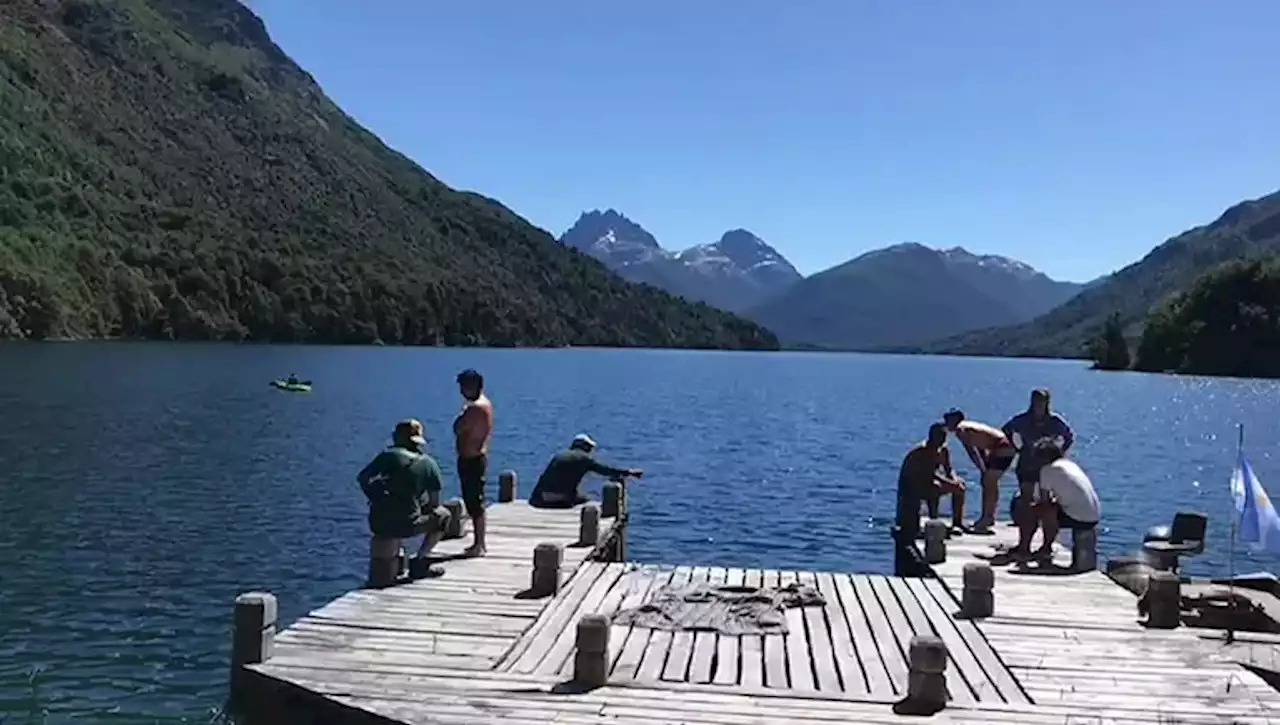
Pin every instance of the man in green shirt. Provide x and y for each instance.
(557, 487)
(402, 484)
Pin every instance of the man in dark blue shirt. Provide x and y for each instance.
(557, 487)
(1038, 422)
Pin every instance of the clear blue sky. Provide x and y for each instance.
(1073, 135)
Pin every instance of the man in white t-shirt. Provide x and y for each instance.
(1066, 498)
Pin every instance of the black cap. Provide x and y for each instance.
(470, 376)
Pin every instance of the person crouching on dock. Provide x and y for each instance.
(991, 453)
(558, 486)
(403, 486)
(926, 475)
(1067, 499)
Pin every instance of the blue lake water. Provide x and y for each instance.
(142, 486)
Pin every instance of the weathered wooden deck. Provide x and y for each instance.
(855, 646)
(467, 649)
(1076, 640)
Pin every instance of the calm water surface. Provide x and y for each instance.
(144, 486)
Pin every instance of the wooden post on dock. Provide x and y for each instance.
(591, 658)
(1084, 549)
(935, 541)
(454, 530)
(589, 525)
(253, 636)
(506, 487)
(385, 562)
(1164, 600)
(977, 600)
(926, 677)
(612, 499)
(547, 558)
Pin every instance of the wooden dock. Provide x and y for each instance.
(471, 648)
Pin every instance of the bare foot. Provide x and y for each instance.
(1043, 554)
(474, 551)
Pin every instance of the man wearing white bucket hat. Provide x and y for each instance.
(557, 487)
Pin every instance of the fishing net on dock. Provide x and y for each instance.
(730, 610)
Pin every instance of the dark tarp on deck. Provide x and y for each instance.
(731, 610)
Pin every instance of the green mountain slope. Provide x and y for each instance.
(167, 172)
(1247, 230)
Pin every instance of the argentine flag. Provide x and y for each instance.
(1259, 524)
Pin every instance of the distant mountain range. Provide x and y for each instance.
(907, 294)
(735, 273)
(1247, 230)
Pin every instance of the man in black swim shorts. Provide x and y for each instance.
(991, 453)
(472, 429)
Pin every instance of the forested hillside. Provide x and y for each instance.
(167, 172)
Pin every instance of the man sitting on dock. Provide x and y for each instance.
(926, 475)
(557, 487)
(403, 485)
(991, 453)
(1067, 498)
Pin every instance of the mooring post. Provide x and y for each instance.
(1084, 549)
(589, 524)
(977, 599)
(547, 558)
(591, 657)
(1164, 600)
(612, 499)
(384, 562)
(506, 487)
(252, 637)
(926, 676)
(935, 541)
(454, 529)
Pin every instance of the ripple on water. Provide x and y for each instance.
(133, 513)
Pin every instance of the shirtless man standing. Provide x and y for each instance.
(926, 475)
(471, 431)
(991, 453)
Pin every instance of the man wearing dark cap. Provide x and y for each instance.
(471, 430)
(402, 484)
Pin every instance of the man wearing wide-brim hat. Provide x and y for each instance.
(403, 486)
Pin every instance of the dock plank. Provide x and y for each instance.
(702, 661)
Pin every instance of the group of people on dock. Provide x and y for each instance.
(1053, 491)
(403, 483)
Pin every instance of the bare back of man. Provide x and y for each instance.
(992, 454)
(474, 427)
(927, 470)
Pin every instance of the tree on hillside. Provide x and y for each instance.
(1227, 323)
(1110, 351)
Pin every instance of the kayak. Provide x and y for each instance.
(302, 386)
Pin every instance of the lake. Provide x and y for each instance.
(145, 485)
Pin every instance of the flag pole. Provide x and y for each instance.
(1231, 548)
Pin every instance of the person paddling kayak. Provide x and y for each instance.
(557, 487)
